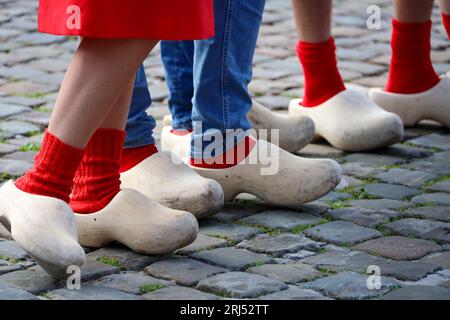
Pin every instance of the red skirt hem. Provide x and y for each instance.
(155, 19)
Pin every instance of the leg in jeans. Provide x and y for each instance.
(222, 72)
(178, 60)
(445, 8)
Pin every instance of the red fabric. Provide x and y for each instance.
(446, 21)
(53, 171)
(131, 157)
(154, 19)
(322, 78)
(97, 180)
(229, 159)
(411, 69)
(181, 132)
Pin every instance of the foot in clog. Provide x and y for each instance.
(45, 227)
(175, 185)
(282, 179)
(141, 224)
(352, 122)
(432, 104)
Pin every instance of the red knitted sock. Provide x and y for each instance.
(446, 21)
(322, 77)
(228, 159)
(53, 171)
(97, 180)
(181, 132)
(131, 157)
(411, 69)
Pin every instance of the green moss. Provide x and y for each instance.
(34, 95)
(301, 228)
(230, 241)
(32, 133)
(369, 180)
(326, 271)
(322, 251)
(112, 261)
(30, 147)
(269, 231)
(392, 166)
(338, 204)
(432, 182)
(9, 259)
(146, 288)
(5, 176)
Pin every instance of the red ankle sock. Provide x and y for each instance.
(411, 69)
(181, 132)
(54, 169)
(131, 157)
(229, 159)
(97, 180)
(322, 77)
(446, 21)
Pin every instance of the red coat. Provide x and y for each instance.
(153, 19)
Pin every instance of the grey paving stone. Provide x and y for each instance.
(10, 268)
(232, 258)
(435, 213)
(130, 282)
(235, 212)
(18, 127)
(399, 248)
(203, 242)
(407, 270)
(338, 261)
(372, 159)
(405, 151)
(433, 167)
(414, 179)
(440, 258)
(390, 191)
(128, 259)
(281, 219)
(14, 167)
(314, 150)
(288, 273)
(299, 255)
(12, 249)
(433, 140)
(7, 110)
(233, 232)
(24, 101)
(7, 148)
(27, 156)
(179, 293)
(342, 233)
(350, 285)
(295, 293)
(360, 170)
(425, 229)
(364, 217)
(93, 269)
(9, 293)
(438, 198)
(441, 186)
(35, 117)
(335, 196)
(88, 292)
(34, 280)
(240, 285)
(380, 204)
(279, 245)
(418, 293)
(183, 271)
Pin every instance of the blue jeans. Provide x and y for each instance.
(208, 79)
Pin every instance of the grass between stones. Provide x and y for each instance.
(34, 95)
(433, 149)
(32, 133)
(5, 176)
(112, 261)
(327, 272)
(147, 288)
(358, 193)
(228, 239)
(29, 147)
(9, 259)
(338, 204)
(428, 184)
(271, 232)
(301, 228)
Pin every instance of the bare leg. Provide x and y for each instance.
(413, 10)
(445, 6)
(84, 102)
(313, 19)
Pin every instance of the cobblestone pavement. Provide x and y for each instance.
(392, 210)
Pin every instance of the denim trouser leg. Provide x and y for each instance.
(222, 72)
(178, 60)
(139, 124)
